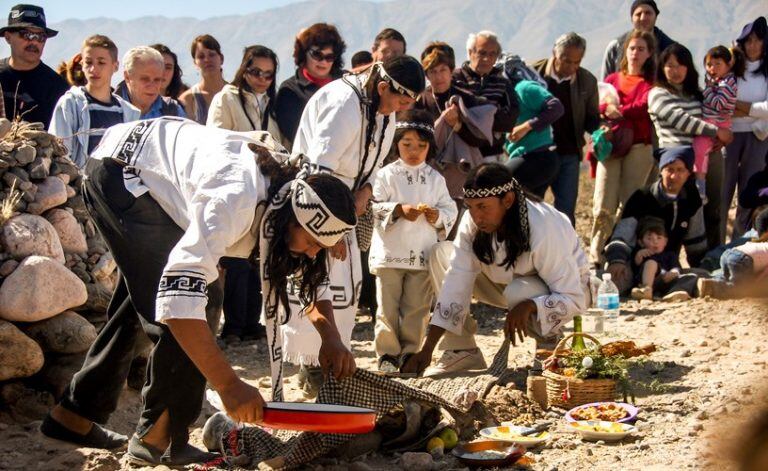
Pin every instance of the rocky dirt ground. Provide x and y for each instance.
(708, 378)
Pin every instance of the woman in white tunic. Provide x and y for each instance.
(346, 130)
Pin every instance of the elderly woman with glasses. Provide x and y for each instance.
(317, 53)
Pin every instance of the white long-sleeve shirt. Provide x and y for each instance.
(753, 89)
(398, 242)
(207, 181)
(556, 257)
(332, 133)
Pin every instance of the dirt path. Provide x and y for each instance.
(708, 372)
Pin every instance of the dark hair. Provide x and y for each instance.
(320, 35)
(279, 263)
(761, 224)
(510, 231)
(249, 54)
(648, 68)
(208, 42)
(391, 34)
(684, 57)
(177, 86)
(436, 53)
(361, 58)
(651, 224)
(406, 71)
(416, 116)
(72, 71)
(735, 58)
(758, 29)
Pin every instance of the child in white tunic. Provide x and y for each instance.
(413, 211)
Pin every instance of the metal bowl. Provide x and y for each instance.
(513, 453)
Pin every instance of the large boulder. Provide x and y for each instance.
(27, 234)
(67, 332)
(69, 231)
(51, 192)
(38, 289)
(20, 356)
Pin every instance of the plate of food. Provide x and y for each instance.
(605, 411)
(526, 437)
(488, 453)
(602, 430)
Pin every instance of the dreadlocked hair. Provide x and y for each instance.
(510, 232)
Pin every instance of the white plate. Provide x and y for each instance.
(626, 429)
(506, 433)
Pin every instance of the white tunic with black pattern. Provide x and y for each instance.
(207, 181)
(556, 257)
(397, 242)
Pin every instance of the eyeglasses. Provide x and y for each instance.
(485, 54)
(317, 55)
(258, 73)
(32, 36)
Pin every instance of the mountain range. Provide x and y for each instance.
(525, 27)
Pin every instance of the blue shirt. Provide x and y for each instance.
(156, 110)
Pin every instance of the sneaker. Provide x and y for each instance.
(141, 454)
(457, 360)
(388, 364)
(676, 297)
(642, 292)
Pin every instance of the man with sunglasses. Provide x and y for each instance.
(30, 88)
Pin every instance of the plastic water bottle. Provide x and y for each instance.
(608, 301)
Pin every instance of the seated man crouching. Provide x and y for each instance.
(512, 252)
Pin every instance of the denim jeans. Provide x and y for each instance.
(736, 265)
(565, 187)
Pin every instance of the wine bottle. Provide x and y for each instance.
(578, 341)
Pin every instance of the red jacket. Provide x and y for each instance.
(634, 108)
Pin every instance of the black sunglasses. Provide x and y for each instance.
(32, 36)
(256, 72)
(317, 55)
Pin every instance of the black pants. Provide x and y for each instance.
(368, 289)
(242, 298)
(536, 170)
(140, 236)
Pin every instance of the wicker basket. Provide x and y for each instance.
(578, 391)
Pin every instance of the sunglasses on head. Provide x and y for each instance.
(317, 55)
(32, 36)
(256, 73)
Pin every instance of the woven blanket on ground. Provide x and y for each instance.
(363, 389)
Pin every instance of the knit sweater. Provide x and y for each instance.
(719, 99)
(677, 118)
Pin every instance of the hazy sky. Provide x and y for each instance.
(59, 10)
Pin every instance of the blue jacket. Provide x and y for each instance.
(71, 119)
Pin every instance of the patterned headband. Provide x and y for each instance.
(395, 84)
(314, 216)
(413, 125)
(486, 192)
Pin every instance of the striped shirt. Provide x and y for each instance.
(720, 99)
(677, 119)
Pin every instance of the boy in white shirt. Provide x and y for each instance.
(413, 210)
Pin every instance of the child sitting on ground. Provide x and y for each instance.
(656, 269)
(743, 269)
(412, 208)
